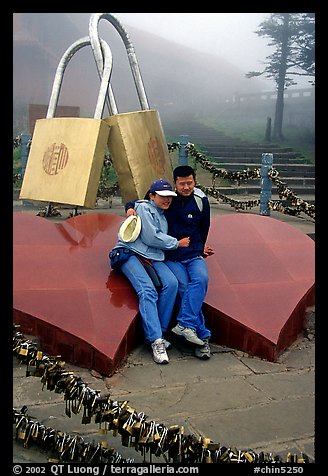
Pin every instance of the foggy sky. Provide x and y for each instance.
(230, 36)
(227, 35)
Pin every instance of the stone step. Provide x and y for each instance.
(300, 186)
(229, 143)
(220, 139)
(248, 197)
(253, 160)
(244, 196)
(308, 182)
(218, 152)
(224, 142)
(294, 170)
(200, 137)
(237, 155)
(226, 148)
(255, 190)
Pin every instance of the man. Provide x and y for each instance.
(189, 216)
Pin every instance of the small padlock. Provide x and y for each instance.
(137, 142)
(67, 153)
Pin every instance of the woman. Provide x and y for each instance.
(155, 306)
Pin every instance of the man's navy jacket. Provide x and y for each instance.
(187, 216)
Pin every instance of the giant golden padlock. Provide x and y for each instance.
(139, 151)
(67, 154)
(137, 142)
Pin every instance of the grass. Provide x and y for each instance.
(301, 139)
(17, 163)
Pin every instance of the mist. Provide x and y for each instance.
(229, 36)
(226, 35)
(190, 62)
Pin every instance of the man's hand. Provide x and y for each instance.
(208, 251)
(130, 211)
(184, 242)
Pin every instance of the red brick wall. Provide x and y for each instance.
(39, 111)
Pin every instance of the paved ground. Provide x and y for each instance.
(234, 399)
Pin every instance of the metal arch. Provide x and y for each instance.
(95, 44)
(58, 80)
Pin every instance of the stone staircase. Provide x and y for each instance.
(237, 155)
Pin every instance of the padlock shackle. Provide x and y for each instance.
(95, 44)
(65, 59)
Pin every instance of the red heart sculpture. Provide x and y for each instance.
(261, 280)
(65, 292)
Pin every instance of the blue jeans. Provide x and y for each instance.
(192, 275)
(155, 307)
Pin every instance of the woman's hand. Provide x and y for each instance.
(130, 211)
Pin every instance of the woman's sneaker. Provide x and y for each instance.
(159, 352)
(189, 334)
(203, 352)
(167, 344)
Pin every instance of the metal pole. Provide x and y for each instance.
(266, 184)
(183, 154)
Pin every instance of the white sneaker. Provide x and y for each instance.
(167, 344)
(159, 352)
(189, 334)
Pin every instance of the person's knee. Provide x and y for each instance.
(182, 287)
(183, 281)
(201, 279)
(148, 292)
(172, 285)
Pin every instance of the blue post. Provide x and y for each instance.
(183, 154)
(266, 184)
(25, 138)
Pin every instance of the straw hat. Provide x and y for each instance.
(130, 229)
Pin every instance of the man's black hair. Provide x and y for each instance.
(183, 171)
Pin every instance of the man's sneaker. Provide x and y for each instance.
(203, 352)
(189, 334)
(159, 352)
(167, 344)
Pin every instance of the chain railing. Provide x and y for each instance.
(105, 191)
(300, 205)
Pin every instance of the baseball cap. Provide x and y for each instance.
(162, 187)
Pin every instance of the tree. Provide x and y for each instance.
(293, 36)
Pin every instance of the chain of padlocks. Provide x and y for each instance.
(299, 204)
(145, 436)
(283, 191)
